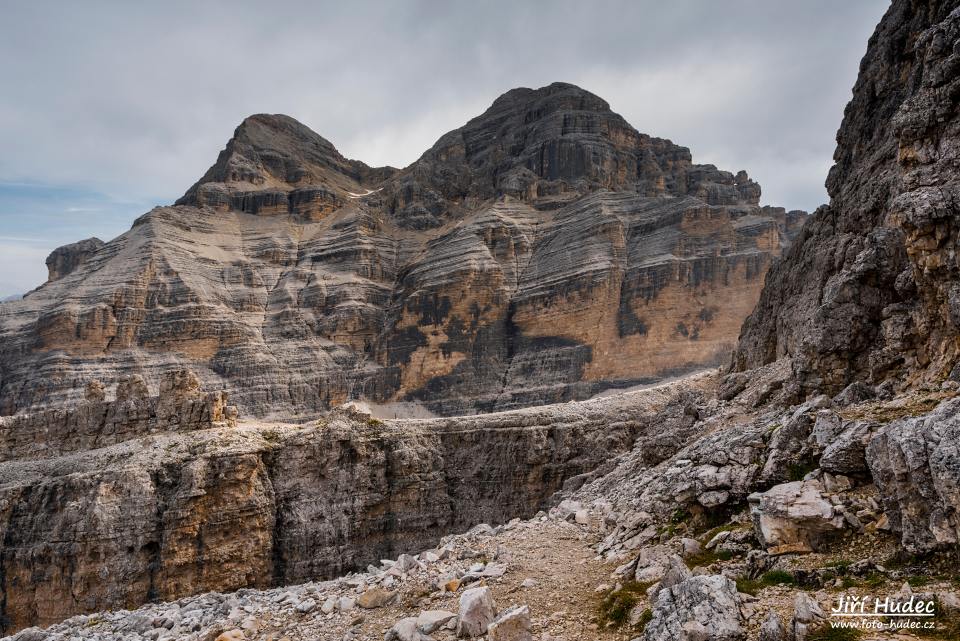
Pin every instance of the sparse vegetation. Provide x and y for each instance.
(874, 579)
(678, 523)
(919, 580)
(709, 534)
(773, 577)
(615, 607)
(748, 586)
(841, 565)
(848, 582)
(886, 412)
(707, 557)
(777, 577)
(644, 619)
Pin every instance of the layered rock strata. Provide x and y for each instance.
(543, 252)
(181, 405)
(182, 512)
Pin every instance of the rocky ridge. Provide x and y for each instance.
(869, 290)
(541, 253)
(214, 506)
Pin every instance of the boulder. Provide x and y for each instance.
(375, 598)
(794, 517)
(772, 628)
(855, 392)
(846, 454)
(306, 606)
(513, 624)
(677, 572)
(405, 563)
(432, 620)
(788, 444)
(808, 615)
(405, 630)
(477, 612)
(689, 547)
(915, 464)
(652, 562)
(701, 608)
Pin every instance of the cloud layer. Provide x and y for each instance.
(128, 103)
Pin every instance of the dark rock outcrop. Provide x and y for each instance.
(64, 260)
(551, 145)
(868, 289)
(543, 252)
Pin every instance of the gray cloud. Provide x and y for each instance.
(134, 100)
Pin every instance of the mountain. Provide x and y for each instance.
(653, 514)
(543, 252)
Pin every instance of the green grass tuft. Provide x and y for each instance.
(644, 619)
(841, 565)
(748, 586)
(773, 577)
(707, 557)
(615, 607)
(777, 577)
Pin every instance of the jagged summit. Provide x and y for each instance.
(546, 146)
(271, 155)
(535, 105)
(549, 146)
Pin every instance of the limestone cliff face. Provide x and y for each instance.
(543, 252)
(201, 506)
(871, 288)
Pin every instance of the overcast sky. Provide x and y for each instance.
(108, 108)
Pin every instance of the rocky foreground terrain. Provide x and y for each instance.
(541, 253)
(821, 467)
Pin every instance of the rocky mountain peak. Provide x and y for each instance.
(542, 101)
(275, 154)
(549, 146)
